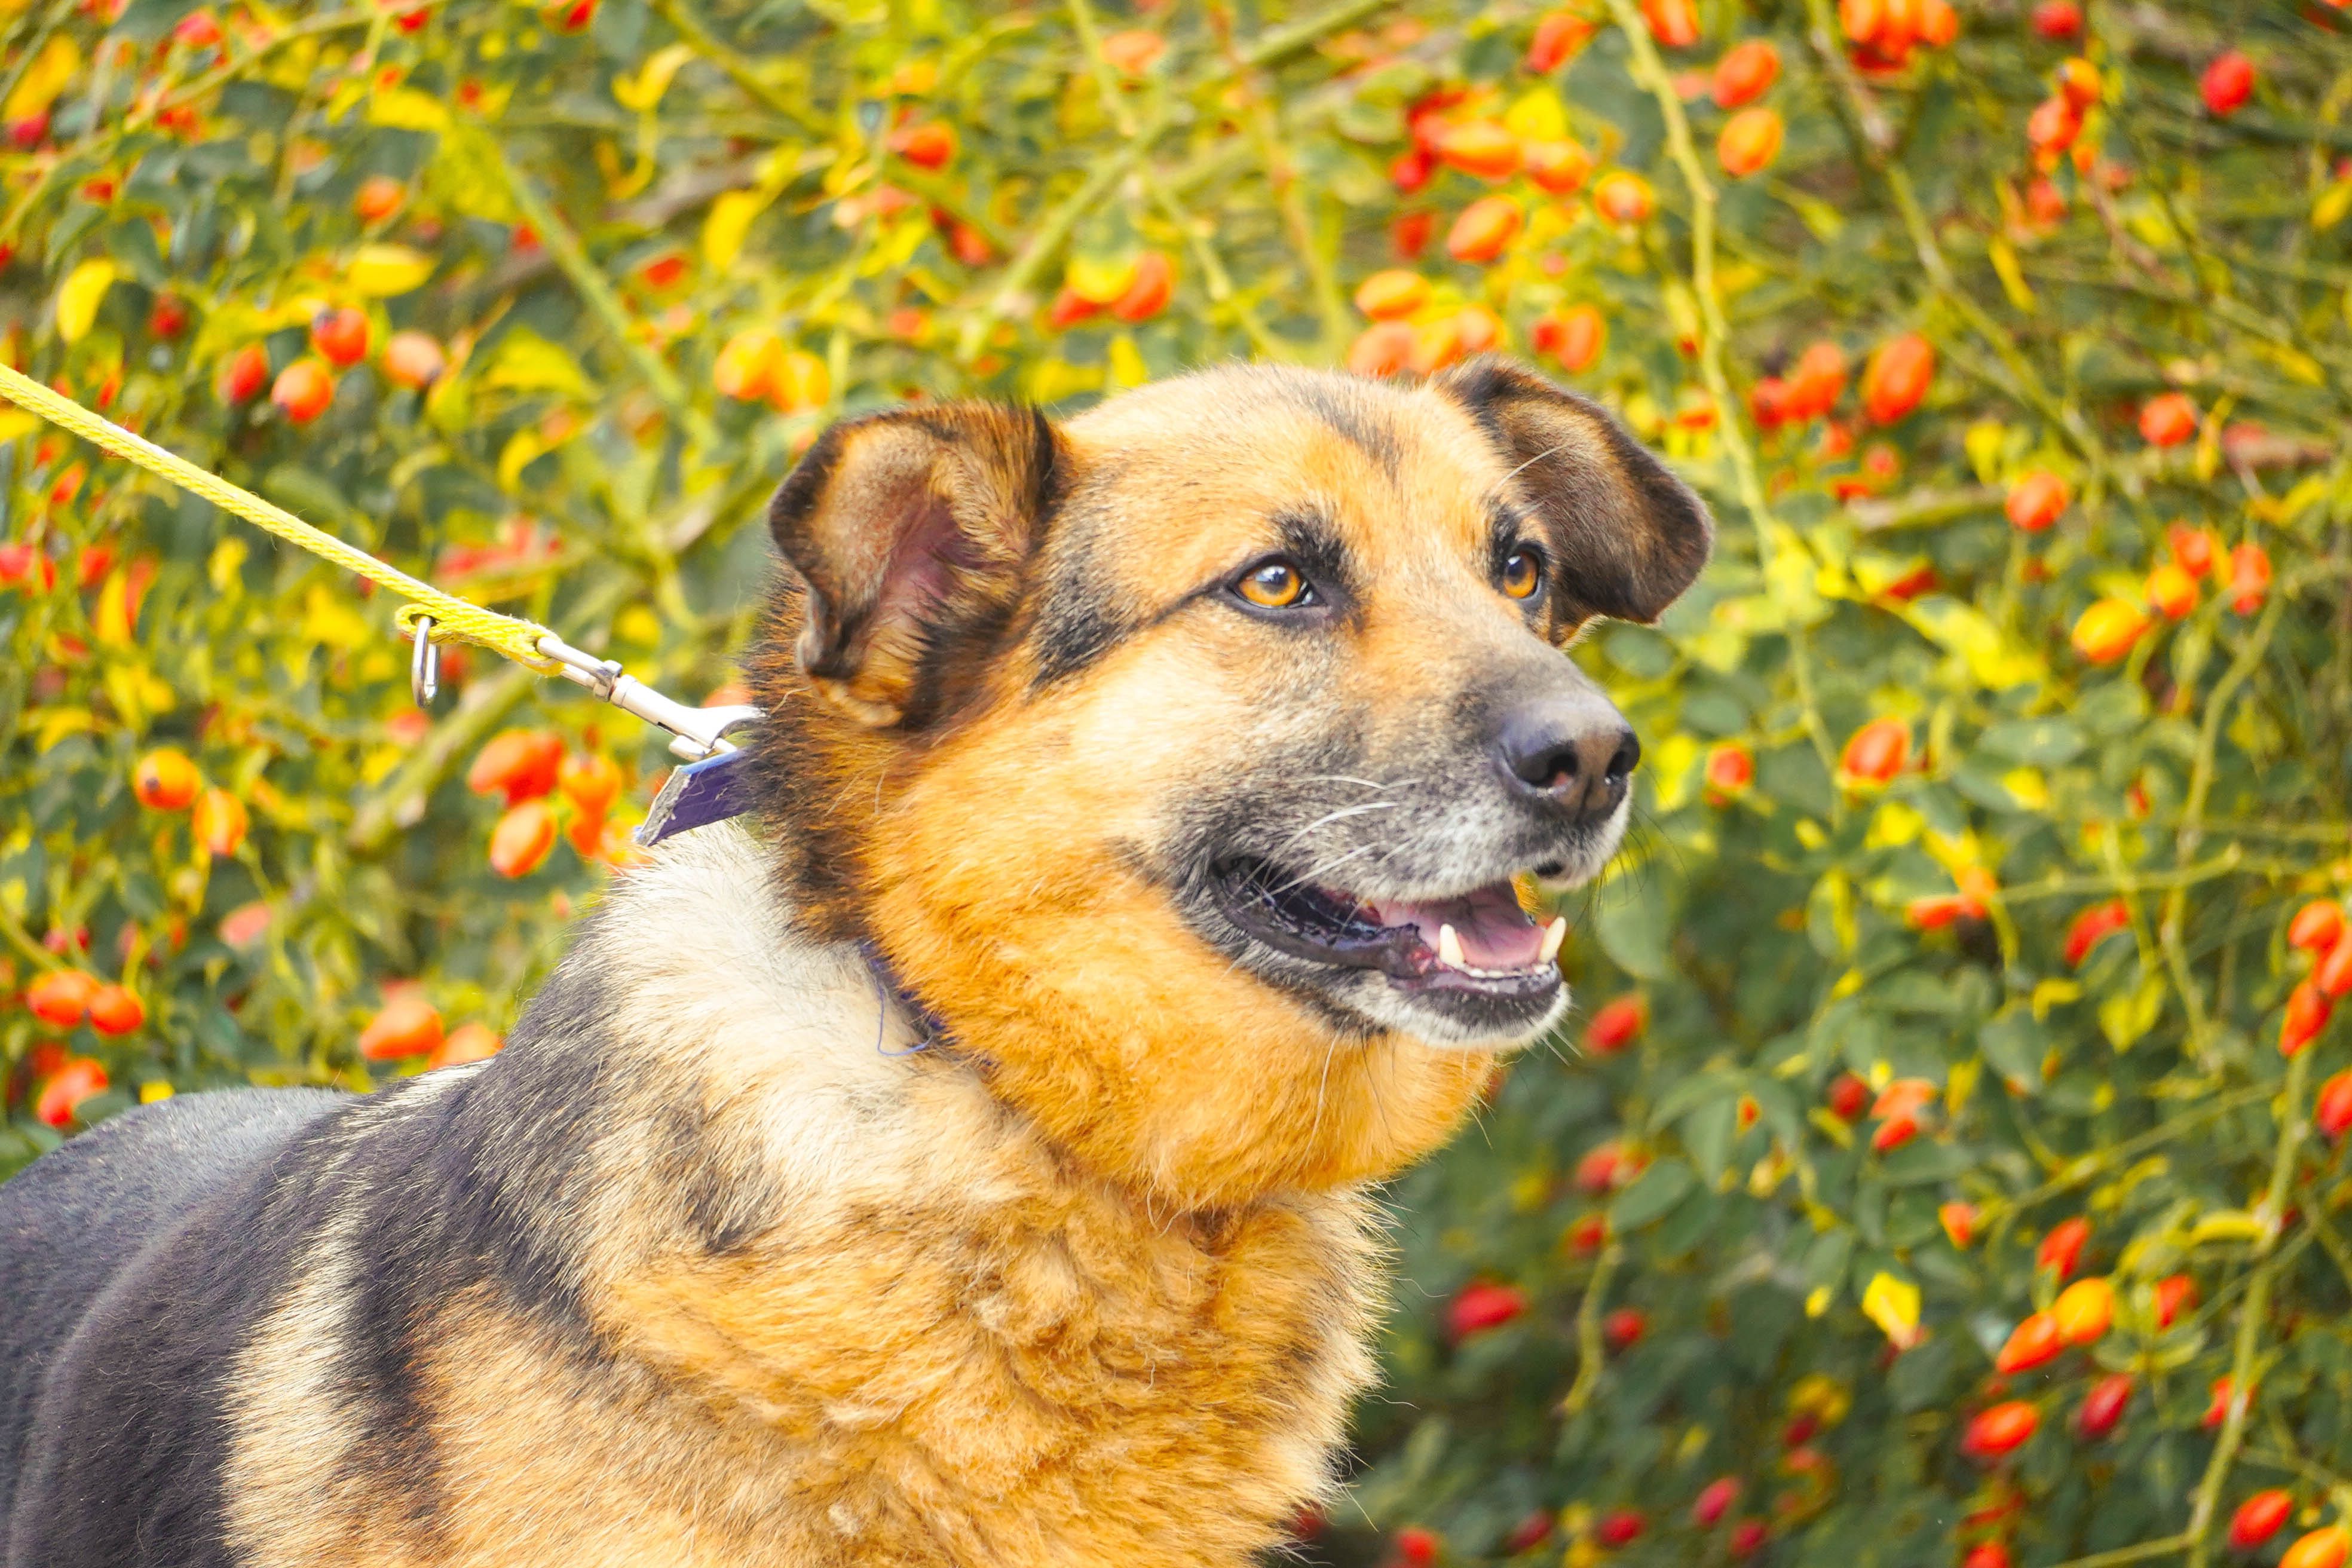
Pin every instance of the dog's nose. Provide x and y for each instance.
(1575, 752)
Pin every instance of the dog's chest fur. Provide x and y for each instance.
(834, 1306)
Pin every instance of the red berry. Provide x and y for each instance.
(2036, 500)
(2334, 976)
(1896, 379)
(76, 1081)
(61, 997)
(2061, 1249)
(407, 1026)
(2093, 926)
(2226, 83)
(1416, 1545)
(1624, 1327)
(521, 840)
(1876, 753)
(1747, 1538)
(2104, 1406)
(2168, 419)
(2058, 19)
(244, 375)
(2259, 1518)
(1746, 73)
(2001, 1429)
(1847, 1096)
(2175, 1294)
(1714, 1500)
(340, 335)
(2333, 1110)
(521, 765)
(1616, 1024)
(168, 318)
(1622, 1527)
(1482, 1305)
(2031, 1344)
(2307, 1010)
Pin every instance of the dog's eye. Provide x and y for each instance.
(1523, 574)
(1275, 585)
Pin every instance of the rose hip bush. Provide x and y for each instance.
(1943, 1165)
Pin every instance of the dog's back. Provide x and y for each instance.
(93, 1216)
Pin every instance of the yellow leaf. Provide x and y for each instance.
(1127, 366)
(2026, 786)
(379, 271)
(15, 422)
(2049, 994)
(521, 449)
(112, 619)
(1817, 1300)
(1992, 660)
(644, 90)
(1894, 824)
(328, 617)
(79, 296)
(2226, 1224)
(55, 724)
(1099, 281)
(528, 362)
(730, 220)
(1537, 116)
(406, 109)
(43, 80)
(2332, 203)
(1893, 1305)
(224, 568)
(2012, 276)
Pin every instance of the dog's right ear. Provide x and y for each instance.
(913, 530)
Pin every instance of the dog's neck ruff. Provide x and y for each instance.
(930, 1030)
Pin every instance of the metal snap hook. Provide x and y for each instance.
(424, 662)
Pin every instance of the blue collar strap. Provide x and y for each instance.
(696, 796)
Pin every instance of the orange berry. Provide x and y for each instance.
(2334, 976)
(1751, 141)
(1385, 296)
(800, 382)
(413, 359)
(2061, 1249)
(521, 842)
(2171, 591)
(303, 390)
(1558, 36)
(466, 1043)
(590, 781)
(2307, 1011)
(1480, 147)
(2323, 1548)
(2250, 578)
(407, 1026)
(61, 997)
(1623, 197)
(1673, 23)
(2084, 1310)
(1133, 51)
(1485, 227)
(1155, 279)
(165, 780)
(2168, 419)
(1730, 769)
(931, 144)
(2332, 1111)
(1897, 377)
(1557, 168)
(2036, 500)
(2175, 1294)
(218, 822)
(1876, 752)
(1574, 336)
(2106, 631)
(1746, 73)
(2001, 1429)
(2078, 82)
(1383, 348)
(77, 1080)
(2032, 1343)
(340, 335)
(2317, 927)
(521, 765)
(115, 1011)
(378, 198)
(747, 364)
(1959, 1223)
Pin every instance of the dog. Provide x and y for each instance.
(966, 1158)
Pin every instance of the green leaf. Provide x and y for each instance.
(2043, 742)
(2014, 1045)
(1632, 924)
(1653, 1194)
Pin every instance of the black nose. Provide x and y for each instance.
(1575, 752)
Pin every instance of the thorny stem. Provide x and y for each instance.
(2252, 1313)
(597, 292)
(1590, 1349)
(1773, 541)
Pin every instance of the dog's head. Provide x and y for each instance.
(1183, 757)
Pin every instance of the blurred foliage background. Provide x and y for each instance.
(1953, 1106)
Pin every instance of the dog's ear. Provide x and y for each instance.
(913, 530)
(1627, 535)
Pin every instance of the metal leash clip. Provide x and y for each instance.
(424, 663)
(700, 732)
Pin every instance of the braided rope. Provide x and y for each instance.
(453, 619)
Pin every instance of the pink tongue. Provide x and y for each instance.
(1494, 932)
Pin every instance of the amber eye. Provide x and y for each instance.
(1275, 585)
(1523, 574)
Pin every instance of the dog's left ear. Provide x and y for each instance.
(913, 530)
(1628, 536)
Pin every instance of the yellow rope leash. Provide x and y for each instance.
(699, 731)
(452, 617)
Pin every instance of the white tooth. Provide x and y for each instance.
(1554, 934)
(1449, 948)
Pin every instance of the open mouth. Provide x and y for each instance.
(1478, 941)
